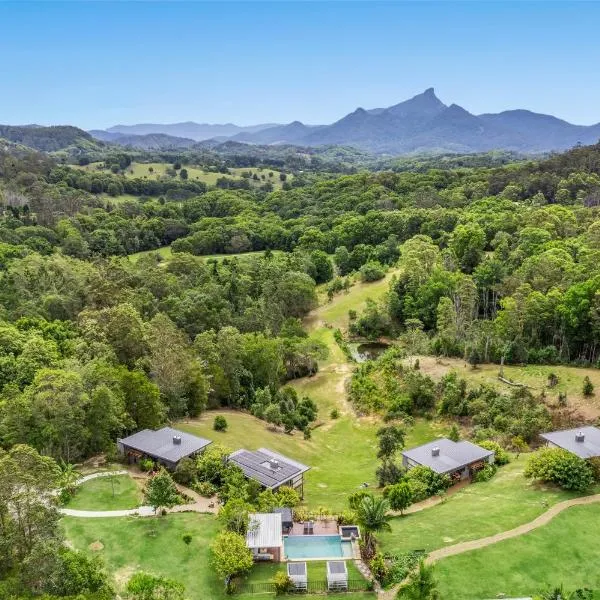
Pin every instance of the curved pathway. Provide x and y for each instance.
(540, 521)
(199, 504)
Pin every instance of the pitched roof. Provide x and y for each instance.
(264, 531)
(452, 455)
(269, 468)
(589, 447)
(161, 443)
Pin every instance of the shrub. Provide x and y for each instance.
(187, 539)
(346, 517)
(588, 387)
(435, 483)
(185, 472)
(372, 271)
(283, 584)
(378, 567)
(335, 413)
(454, 434)
(220, 423)
(146, 464)
(355, 499)
(418, 490)
(400, 496)
(501, 456)
(485, 474)
(287, 496)
(205, 488)
(389, 473)
(561, 467)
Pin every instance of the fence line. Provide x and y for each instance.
(313, 587)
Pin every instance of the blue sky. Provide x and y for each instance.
(95, 64)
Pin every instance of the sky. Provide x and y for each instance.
(96, 64)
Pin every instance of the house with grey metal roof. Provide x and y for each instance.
(264, 536)
(271, 469)
(459, 460)
(581, 441)
(166, 446)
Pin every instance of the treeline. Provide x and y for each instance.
(92, 350)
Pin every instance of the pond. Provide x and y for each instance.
(369, 351)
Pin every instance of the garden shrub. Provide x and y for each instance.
(346, 517)
(399, 566)
(283, 583)
(434, 483)
(555, 465)
(185, 472)
(205, 488)
(334, 414)
(501, 456)
(355, 499)
(220, 423)
(588, 387)
(146, 464)
(485, 474)
(372, 271)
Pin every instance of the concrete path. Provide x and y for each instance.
(200, 504)
(540, 521)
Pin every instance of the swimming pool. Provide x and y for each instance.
(306, 547)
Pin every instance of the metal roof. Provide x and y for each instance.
(269, 468)
(296, 568)
(452, 455)
(162, 443)
(336, 567)
(286, 514)
(264, 531)
(588, 448)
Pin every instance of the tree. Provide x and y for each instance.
(518, 445)
(454, 433)
(220, 423)
(373, 518)
(421, 584)
(183, 174)
(230, 555)
(234, 515)
(144, 586)
(560, 466)
(391, 439)
(161, 491)
(399, 496)
(588, 387)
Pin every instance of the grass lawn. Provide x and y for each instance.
(341, 453)
(565, 551)
(155, 545)
(166, 253)
(97, 494)
(570, 379)
(479, 510)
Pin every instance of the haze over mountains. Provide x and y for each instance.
(421, 124)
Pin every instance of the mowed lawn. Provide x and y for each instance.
(341, 453)
(155, 545)
(107, 493)
(479, 510)
(565, 551)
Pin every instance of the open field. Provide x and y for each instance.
(341, 453)
(156, 170)
(570, 379)
(155, 545)
(565, 551)
(107, 493)
(478, 510)
(166, 253)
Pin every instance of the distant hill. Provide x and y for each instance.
(49, 139)
(149, 141)
(425, 124)
(191, 130)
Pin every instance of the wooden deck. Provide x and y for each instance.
(320, 527)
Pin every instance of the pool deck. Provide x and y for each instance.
(321, 527)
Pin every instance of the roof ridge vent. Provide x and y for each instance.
(435, 451)
(580, 436)
(177, 440)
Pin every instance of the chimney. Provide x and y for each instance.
(579, 436)
(274, 464)
(435, 451)
(177, 439)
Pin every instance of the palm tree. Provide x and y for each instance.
(560, 594)
(372, 517)
(421, 585)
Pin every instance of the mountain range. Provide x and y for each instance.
(421, 124)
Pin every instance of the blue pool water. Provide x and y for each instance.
(316, 546)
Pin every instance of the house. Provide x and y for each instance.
(298, 574)
(165, 446)
(459, 460)
(582, 441)
(270, 469)
(337, 575)
(264, 537)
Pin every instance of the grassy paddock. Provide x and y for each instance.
(565, 551)
(100, 494)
